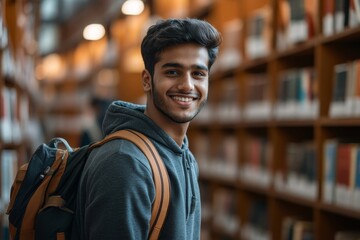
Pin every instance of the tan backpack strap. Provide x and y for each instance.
(39, 195)
(160, 176)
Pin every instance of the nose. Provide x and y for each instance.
(186, 83)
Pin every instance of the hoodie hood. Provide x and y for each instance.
(123, 115)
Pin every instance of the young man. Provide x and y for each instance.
(116, 189)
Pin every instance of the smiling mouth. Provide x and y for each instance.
(183, 99)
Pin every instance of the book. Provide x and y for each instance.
(329, 170)
(347, 235)
(341, 15)
(297, 94)
(296, 228)
(356, 196)
(328, 20)
(311, 12)
(257, 105)
(257, 225)
(356, 76)
(231, 54)
(303, 230)
(357, 9)
(283, 21)
(340, 86)
(281, 108)
(298, 27)
(202, 145)
(301, 163)
(354, 18)
(258, 37)
(225, 209)
(8, 172)
(308, 102)
(346, 155)
(256, 168)
(228, 107)
(287, 228)
(6, 122)
(225, 163)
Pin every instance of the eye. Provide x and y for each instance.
(199, 74)
(171, 73)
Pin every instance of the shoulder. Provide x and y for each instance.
(120, 158)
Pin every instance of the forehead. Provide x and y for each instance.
(185, 54)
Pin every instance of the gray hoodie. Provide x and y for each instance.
(117, 190)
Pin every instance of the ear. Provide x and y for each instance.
(146, 80)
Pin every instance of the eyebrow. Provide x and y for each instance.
(178, 65)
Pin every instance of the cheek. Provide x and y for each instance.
(203, 88)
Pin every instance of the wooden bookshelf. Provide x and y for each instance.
(20, 129)
(305, 122)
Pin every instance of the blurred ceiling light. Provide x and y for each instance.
(132, 7)
(52, 67)
(94, 31)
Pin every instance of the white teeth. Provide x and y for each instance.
(182, 99)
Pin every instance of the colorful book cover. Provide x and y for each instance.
(329, 170)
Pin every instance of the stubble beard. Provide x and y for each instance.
(160, 105)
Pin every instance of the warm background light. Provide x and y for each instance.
(132, 7)
(94, 32)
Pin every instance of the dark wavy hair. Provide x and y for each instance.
(172, 32)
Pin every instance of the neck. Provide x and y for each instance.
(176, 131)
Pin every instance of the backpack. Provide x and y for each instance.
(43, 195)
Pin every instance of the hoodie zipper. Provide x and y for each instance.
(189, 180)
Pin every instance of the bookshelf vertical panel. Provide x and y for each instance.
(325, 61)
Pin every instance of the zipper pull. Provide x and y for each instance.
(46, 171)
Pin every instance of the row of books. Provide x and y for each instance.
(297, 97)
(17, 65)
(339, 15)
(256, 169)
(257, 97)
(341, 167)
(230, 55)
(346, 91)
(14, 113)
(257, 226)
(299, 176)
(225, 211)
(9, 166)
(297, 94)
(227, 108)
(223, 205)
(294, 228)
(296, 22)
(347, 235)
(341, 178)
(221, 161)
(258, 37)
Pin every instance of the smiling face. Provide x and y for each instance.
(179, 87)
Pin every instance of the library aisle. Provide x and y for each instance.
(278, 144)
